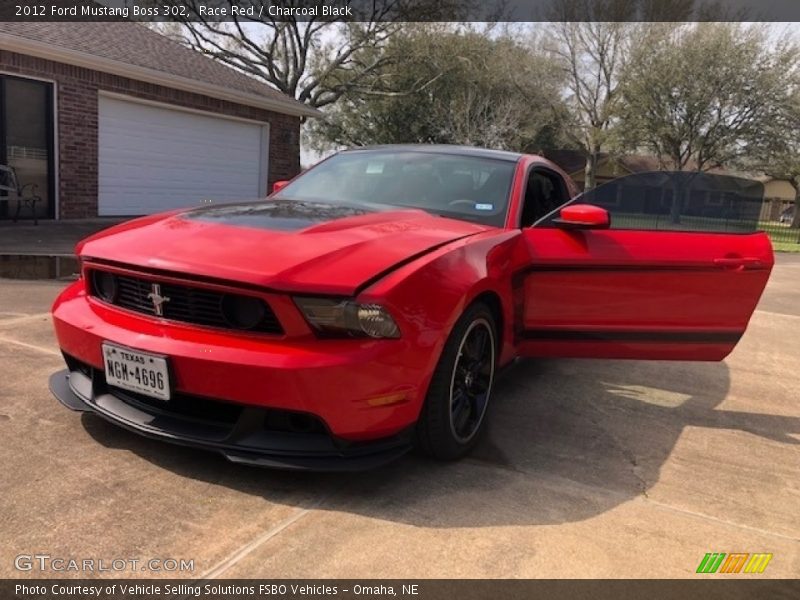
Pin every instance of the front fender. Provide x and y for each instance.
(429, 295)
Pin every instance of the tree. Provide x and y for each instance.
(705, 95)
(315, 60)
(591, 42)
(592, 57)
(454, 86)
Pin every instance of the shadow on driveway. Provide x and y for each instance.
(567, 440)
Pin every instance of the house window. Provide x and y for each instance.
(26, 148)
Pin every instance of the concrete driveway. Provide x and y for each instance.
(591, 469)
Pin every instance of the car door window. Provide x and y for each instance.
(677, 201)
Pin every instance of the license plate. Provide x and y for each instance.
(136, 371)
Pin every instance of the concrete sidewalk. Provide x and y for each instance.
(49, 237)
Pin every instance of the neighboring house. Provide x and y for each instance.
(113, 119)
(779, 196)
(608, 167)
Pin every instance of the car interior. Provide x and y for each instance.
(544, 193)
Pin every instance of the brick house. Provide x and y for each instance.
(113, 119)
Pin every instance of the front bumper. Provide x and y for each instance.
(245, 435)
(361, 389)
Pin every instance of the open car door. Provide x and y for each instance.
(650, 266)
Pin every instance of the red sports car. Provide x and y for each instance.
(368, 305)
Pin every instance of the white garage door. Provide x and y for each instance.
(153, 158)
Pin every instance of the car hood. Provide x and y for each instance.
(279, 244)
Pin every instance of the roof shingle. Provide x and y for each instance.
(134, 44)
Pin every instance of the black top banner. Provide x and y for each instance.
(401, 10)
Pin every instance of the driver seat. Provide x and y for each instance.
(534, 198)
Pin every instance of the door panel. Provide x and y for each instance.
(639, 294)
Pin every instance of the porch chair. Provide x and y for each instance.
(26, 195)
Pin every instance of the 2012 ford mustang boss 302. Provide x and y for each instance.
(367, 305)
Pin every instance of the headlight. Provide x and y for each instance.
(345, 317)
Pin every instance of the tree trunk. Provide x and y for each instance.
(590, 172)
(675, 213)
(678, 194)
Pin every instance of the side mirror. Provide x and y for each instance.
(583, 216)
(279, 185)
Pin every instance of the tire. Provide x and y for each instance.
(454, 414)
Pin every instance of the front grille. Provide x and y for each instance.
(186, 304)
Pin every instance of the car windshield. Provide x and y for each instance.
(452, 185)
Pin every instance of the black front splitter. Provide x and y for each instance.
(244, 442)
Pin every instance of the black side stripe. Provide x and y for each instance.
(584, 267)
(575, 335)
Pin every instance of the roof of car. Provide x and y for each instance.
(445, 149)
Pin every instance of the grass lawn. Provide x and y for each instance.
(783, 238)
(785, 247)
